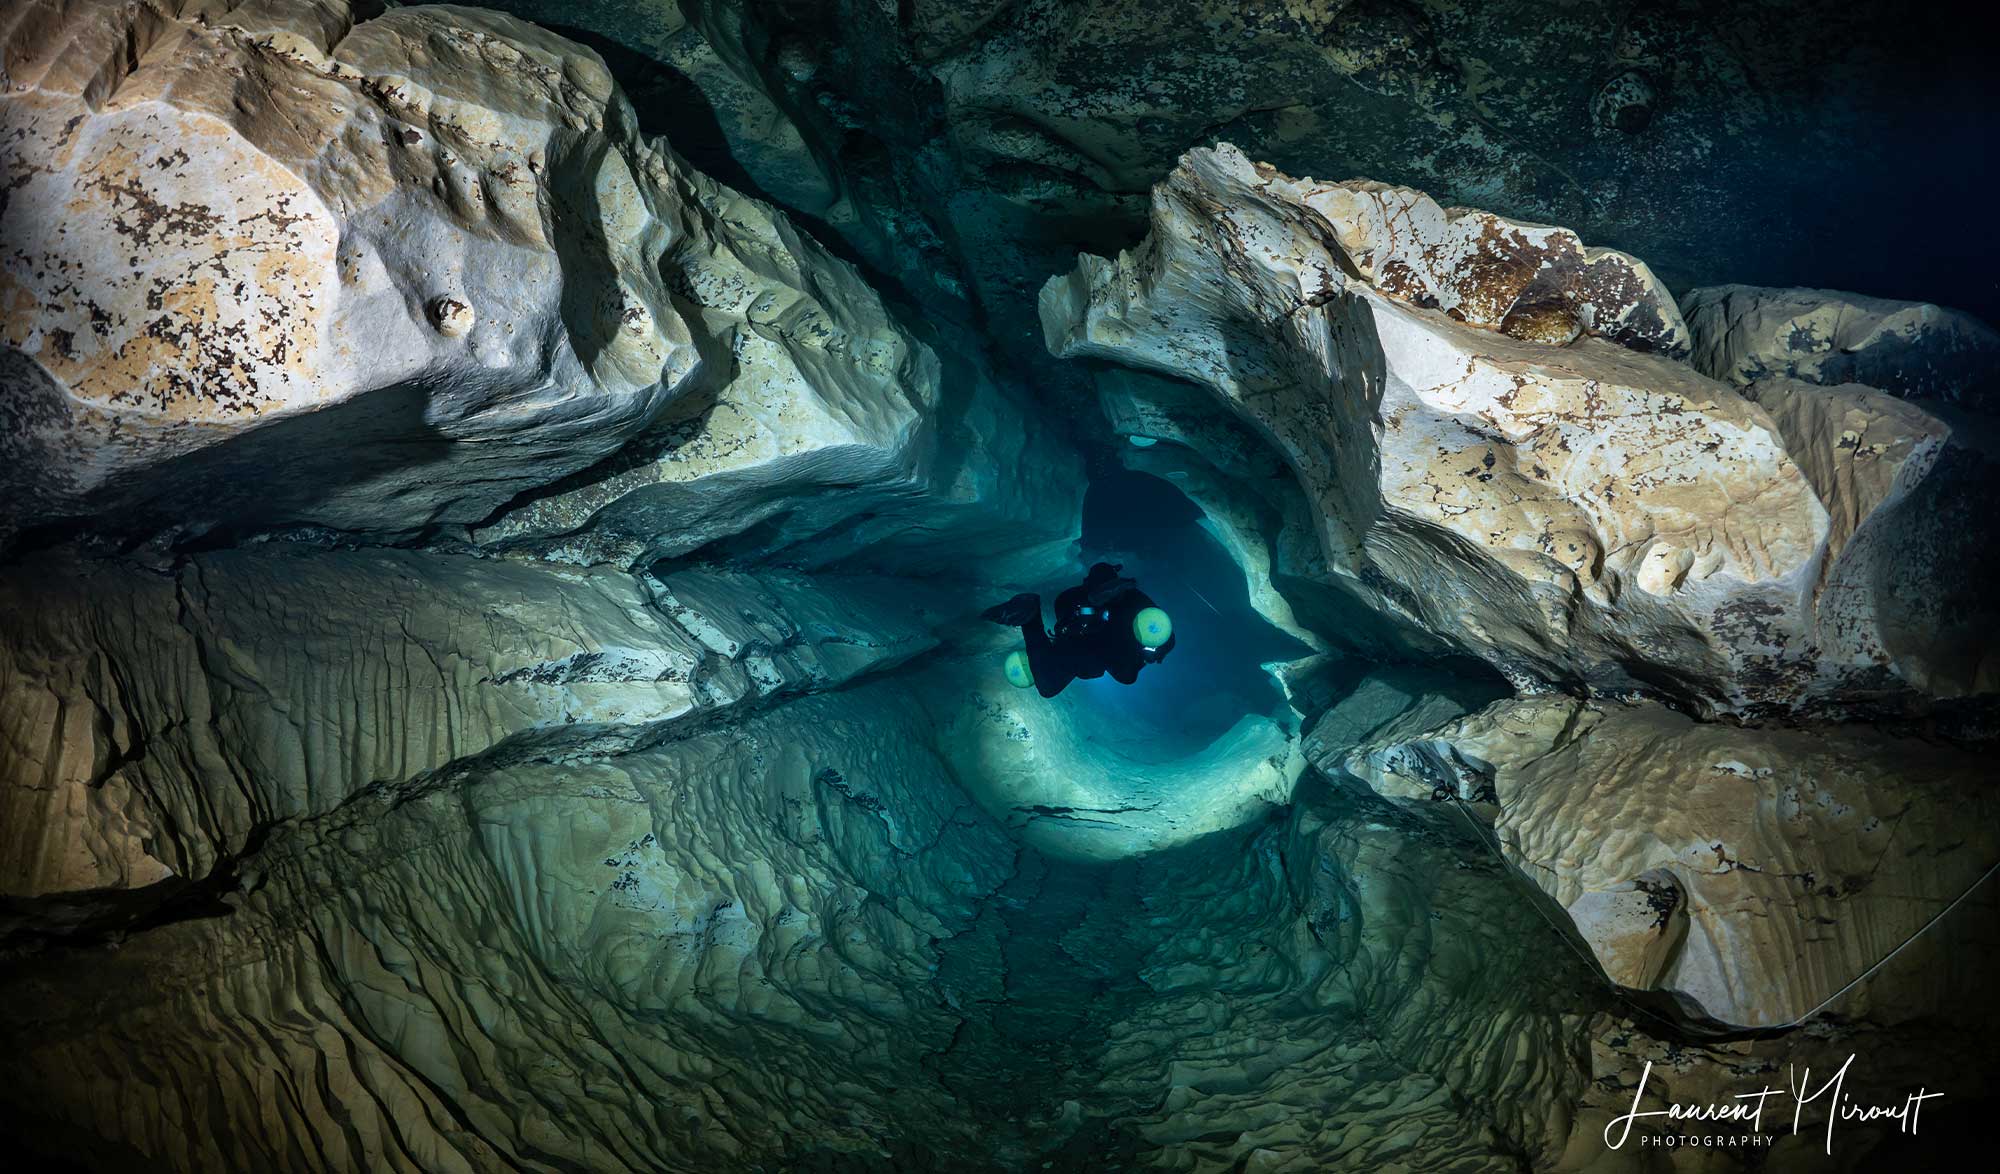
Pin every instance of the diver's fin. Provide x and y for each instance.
(1022, 609)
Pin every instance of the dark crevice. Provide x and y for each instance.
(105, 917)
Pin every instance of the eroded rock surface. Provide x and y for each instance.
(1528, 281)
(414, 261)
(1314, 995)
(1572, 507)
(489, 676)
(434, 264)
(154, 724)
(1899, 485)
(966, 147)
(819, 426)
(1916, 350)
(1799, 858)
(556, 965)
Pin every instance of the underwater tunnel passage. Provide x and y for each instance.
(1214, 676)
(1203, 741)
(522, 707)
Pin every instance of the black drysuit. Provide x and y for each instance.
(1093, 634)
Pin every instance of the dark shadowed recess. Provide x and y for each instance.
(220, 494)
(1212, 678)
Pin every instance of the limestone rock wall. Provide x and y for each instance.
(812, 388)
(964, 145)
(155, 723)
(429, 265)
(1798, 858)
(437, 814)
(1499, 447)
(487, 680)
(715, 954)
(414, 260)
(762, 945)
(1744, 333)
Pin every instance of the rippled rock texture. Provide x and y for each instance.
(1754, 871)
(490, 675)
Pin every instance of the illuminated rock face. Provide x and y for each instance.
(490, 680)
(969, 148)
(521, 813)
(1528, 281)
(1744, 333)
(1594, 515)
(1795, 858)
(1502, 448)
(425, 263)
(418, 261)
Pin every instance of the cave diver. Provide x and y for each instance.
(1104, 624)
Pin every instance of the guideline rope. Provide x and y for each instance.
(1480, 830)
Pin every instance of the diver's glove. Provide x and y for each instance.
(1024, 608)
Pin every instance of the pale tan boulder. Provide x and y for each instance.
(1744, 333)
(424, 263)
(1802, 856)
(415, 262)
(1566, 507)
(1861, 448)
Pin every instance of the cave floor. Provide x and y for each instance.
(1029, 1050)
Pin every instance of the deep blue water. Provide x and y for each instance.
(1212, 677)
